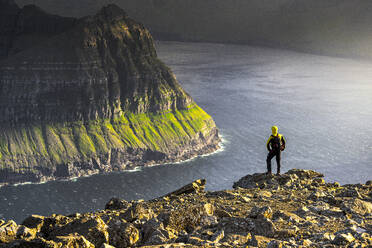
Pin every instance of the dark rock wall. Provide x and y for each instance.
(95, 67)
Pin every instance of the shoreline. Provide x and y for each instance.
(210, 149)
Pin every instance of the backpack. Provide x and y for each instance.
(276, 143)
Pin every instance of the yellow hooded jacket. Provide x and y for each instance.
(275, 133)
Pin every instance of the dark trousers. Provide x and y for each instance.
(272, 154)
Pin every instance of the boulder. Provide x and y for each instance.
(148, 229)
(304, 174)
(197, 186)
(93, 228)
(158, 236)
(357, 206)
(52, 222)
(264, 212)
(207, 220)
(288, 216)
(117, 204)
(189, 216)
(328, 236)
(251, 181)
(8, 231)
(237, 240)
(343, 239)
(26, 233)
(351, 192)
(122, 233)
(264, 227)
(138, 211)
(292, 179)
(221, 213)
(73, 241)
(34, 222)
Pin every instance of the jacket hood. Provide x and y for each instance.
(274, 130)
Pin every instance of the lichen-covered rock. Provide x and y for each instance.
(264, 212)
(122, 233)
(343, 239)
(264, 227)
(138, 211)
(116, 204)
(197, 186)
(292, 179)
(8, 231)
(92, 228)
(26, 233)
(73, 241)
(357, 206)
(290, 217)
(189, 216)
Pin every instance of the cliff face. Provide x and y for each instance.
(330, 27)
(296, 209)
(78, 96)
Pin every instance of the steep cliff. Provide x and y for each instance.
(79, 96)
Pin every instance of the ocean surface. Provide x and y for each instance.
(322, 105)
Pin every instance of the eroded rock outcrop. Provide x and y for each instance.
(263, 211)
(82, 96)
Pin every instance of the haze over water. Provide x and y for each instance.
(322, 106)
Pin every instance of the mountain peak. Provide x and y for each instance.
(111, 12)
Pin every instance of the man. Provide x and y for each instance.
(275, 145)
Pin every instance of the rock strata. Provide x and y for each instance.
(296, 209)
(89, 95)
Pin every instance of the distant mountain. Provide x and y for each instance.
(331, 27)
(89, 95)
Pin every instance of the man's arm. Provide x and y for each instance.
(268, 143)
(283, 143)
(283, 140)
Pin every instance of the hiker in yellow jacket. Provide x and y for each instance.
(275, 145)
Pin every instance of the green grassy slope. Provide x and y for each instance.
(78, 141)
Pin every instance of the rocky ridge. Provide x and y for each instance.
(296, 209)
(89, 95)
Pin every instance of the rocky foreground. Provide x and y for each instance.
(296, 209)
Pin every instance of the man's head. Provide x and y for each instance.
(274, 129)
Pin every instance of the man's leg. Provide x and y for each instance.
(268, 161)
(278, 157)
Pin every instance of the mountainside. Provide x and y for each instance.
(329, 27)
(296, 209)
(80, 96)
